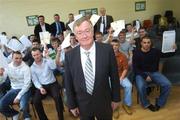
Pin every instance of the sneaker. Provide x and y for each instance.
(116, 113)
(152, 108)
(27, 119)
(15, 117)
(127, 109)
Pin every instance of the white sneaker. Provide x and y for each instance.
(15, 117)
(27, 119)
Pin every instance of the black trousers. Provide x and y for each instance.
(93, 118)
(54, 91)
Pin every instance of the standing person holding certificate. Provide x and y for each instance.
(91, 76)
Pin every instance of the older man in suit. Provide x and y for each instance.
(91, 76)
(104, 22)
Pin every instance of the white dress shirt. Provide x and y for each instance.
(43, 74)
(43, 28)
(92, 57)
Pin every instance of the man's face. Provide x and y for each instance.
(55, 45)
(99, 38)
(122, 37)
(61, 37)
(71, 17)
(102, 11)
(129, 28)
(17, 59)
(35, 44)
(84, 34)
(146, 44)
(142, 33)
(32, 37)
(36, 55)
(73, 40)
(41, 20)
(115, 46)
(56, 18)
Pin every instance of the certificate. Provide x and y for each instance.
(66, 42)
(168, 41)
(3, 39)
(117, 27)
(25, 41)
(15, 45)
(94, 18)
(3, 61)
(45, 37)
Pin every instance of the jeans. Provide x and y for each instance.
(160, 80)
(4, 87)
(7, 101)
(127, 86)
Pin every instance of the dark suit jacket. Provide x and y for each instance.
(109, 21)
(98, 104)
(54, 29)
(38, 29)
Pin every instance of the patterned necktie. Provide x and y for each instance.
(88, 74)
(104, 25)
(58, 28)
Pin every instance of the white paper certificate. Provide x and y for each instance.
(45, 37)
(94, 18)
(117, 26)
(168, 41)
(25, 41)
(3, 62)
(66, 42)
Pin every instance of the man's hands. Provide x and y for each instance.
(148, 79)
(43, 91)
(1, 71)
(75, 112)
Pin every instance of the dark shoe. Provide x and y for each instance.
(127, 109)
(152, 108)
(157, 107)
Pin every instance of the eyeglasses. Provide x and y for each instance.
(86, 32)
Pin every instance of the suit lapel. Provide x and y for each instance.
(80, 70)
(97, 65)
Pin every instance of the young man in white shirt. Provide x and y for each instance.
(45, 83)
(20, 78)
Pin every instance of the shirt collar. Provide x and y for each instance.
(90, 50)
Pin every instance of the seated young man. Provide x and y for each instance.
(99, 37)
(20, 78)
(45, 83)
(122, 63)
(145, 65)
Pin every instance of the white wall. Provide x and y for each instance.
(14, 12)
